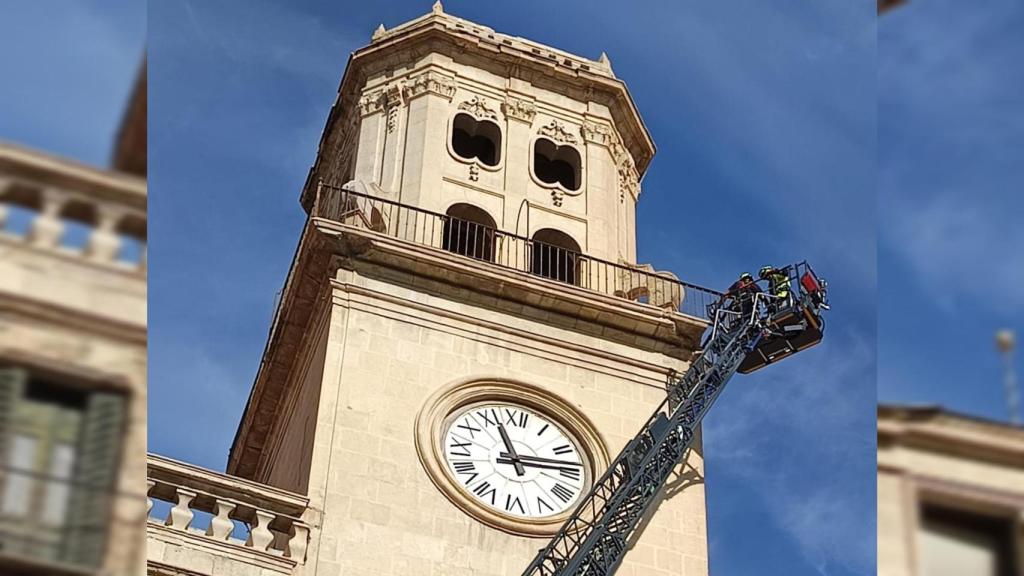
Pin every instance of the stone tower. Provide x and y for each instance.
(465, 337)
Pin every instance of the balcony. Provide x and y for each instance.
(211, 523)
(483, 243)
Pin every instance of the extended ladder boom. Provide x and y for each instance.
(593, 541)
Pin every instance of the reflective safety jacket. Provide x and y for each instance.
(778, 283)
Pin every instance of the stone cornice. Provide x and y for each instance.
(935, 430)
(307, 276)
(44, 169)
(218, 484)
(613, 317)
(326, 245)
(71, 318)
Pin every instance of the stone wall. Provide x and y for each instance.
(389, 349)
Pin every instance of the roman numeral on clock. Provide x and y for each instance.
(541, 504)
(469, 428)
(570, 473)
(469, 468)
(563, 449)
(459, 448)
(562, 492)
(487, 419)
(483, 489)
(510, 503)
(516, 418)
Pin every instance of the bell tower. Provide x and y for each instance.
(465, 337)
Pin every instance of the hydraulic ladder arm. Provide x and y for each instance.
(594, 540)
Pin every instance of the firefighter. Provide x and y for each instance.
(742, 292)
(778, 286)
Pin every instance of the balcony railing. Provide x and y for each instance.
(225, 509)
(485, 243)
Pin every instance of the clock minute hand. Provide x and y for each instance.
(520, 471)
(539, 459)
(502, 460)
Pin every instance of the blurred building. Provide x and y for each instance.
(950, 494)
(73, 358)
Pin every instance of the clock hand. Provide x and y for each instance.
(520, 471)
(538, 459)
(535, 464)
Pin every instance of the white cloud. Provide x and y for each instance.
(820, 492)
(962, 251)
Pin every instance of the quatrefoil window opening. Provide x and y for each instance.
(475, 139)
(557, 165)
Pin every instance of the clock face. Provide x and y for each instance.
(515, 460)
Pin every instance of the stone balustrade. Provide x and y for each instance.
(219, 520)
(47, 201)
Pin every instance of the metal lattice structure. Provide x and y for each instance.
(594, 540)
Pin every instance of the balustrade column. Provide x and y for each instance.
(47, 229)
(180, 516)
(260, 536)
(221, 525)
(104, 242)
(299, 541)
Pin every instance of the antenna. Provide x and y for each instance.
(1006, 341)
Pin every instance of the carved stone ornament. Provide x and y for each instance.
(372, 103)
(598, 133)
(430, 83)
(478, 107)
(474, 172)
(557, 196)
(629, 181)
(557, 132)
(394, 102)
(519, 109)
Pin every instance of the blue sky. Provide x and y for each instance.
(951, 163)
(68, 70)
(765, 122)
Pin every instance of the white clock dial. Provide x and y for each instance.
(515, 460)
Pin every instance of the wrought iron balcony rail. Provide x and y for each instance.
(485, 243)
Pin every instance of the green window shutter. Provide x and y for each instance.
(12, 386)
(99, 449)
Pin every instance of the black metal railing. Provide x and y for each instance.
(485, 243)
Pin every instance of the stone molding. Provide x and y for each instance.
(520, 109)
(372, 102)
(477, 107)
(557, 131)
(430, 82)
(429, 435)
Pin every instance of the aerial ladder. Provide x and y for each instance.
(746, 335)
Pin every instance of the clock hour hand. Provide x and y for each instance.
(514, 458)
(502, 460)
(528, 459)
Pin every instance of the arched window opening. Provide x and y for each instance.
(554, 255)
(479, 139)
(469, 231)
(554, 164)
